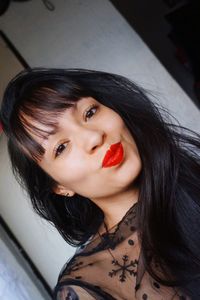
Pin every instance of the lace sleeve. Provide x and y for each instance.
(71, 292)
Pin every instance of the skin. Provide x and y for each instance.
(78, 167)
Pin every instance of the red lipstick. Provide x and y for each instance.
(113, 156)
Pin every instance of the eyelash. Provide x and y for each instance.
(85, 114)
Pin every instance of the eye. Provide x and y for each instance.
(89, 113)
(90, 110)
(59, 149)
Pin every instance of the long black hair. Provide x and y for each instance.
(169, 183)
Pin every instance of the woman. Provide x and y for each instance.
(114, 176)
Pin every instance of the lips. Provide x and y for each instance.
(113, 156)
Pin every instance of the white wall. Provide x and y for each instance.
(15, 284)
(86, 34)
(40, 240)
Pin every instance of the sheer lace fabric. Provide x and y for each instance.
(110, 266)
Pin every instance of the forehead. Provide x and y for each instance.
(41, 124)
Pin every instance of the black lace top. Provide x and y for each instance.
(110, 266)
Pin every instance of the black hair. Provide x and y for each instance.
(169, 183)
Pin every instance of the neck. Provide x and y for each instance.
(116, 207)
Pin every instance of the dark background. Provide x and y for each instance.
(171, 30)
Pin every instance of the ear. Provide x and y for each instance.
(62, 190)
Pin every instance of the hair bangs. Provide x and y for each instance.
(37, 117)
(27, 131)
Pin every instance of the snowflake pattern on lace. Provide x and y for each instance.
(123, 268)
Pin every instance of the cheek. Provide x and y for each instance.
(112, 122)
(72, 173)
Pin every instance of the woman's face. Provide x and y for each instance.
(74, 155)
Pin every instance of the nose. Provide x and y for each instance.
(90, 139)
